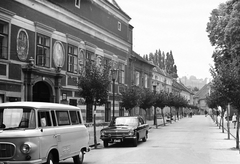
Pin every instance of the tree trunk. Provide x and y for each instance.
(222, 124)
(163, 117)
(178, 113)
(170, 115)
(228, 128)
(145, 115)
(94, 125)
(222, 116)
(155, 116)
(237, 131)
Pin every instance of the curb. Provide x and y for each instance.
(93, 146)
(230, 132)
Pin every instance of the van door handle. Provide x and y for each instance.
(56, 135)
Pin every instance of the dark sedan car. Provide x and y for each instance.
(131, 128)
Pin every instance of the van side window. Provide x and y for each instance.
(62, 118)
(79, 118)
(54, 118)
(74, 117)
(44, 119)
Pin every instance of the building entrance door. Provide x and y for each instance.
(41, 92)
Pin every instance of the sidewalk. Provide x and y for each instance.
(231, 128)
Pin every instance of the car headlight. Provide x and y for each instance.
(26, 148)
(131, 133)
(103, 133)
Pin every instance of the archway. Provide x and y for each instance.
(42, 92)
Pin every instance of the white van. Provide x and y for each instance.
(35, 132)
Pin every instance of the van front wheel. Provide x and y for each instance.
(50, 159)
(78, 159)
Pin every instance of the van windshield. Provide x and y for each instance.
(14, 118)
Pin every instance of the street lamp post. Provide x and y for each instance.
(114, 77)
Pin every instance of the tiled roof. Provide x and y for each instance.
(181, 86)
(114, 3)
(137, 56)
(202, 93)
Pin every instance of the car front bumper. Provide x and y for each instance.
(117, 138)
(22, 162)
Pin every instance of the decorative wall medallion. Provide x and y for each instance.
(80, 60)
(58, 54)
(22, 45)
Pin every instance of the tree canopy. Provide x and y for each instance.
(224, 33)
(93, 83)
(165, 62)
(131, 97)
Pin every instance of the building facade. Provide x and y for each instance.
(44, 45)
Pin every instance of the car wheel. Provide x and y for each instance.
(51, 160)
(105, 143)
(78, 159)
(135, 142)
(145, 137)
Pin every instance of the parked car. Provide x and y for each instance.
(129, 128)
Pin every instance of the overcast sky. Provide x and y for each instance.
(177, 25)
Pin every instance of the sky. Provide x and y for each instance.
(176, 25)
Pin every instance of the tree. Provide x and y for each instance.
(151, 57)
(179, 102)
(163, 61)
(160, 59)
(161, 102)
(146, 100)
(216, 98)
(171, 68)
(155, 61)
(93, 83)
(131, 98)
(224, 33)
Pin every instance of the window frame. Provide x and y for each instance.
(71, 117)
(121, 73)
(78, 3)
(137, 78)
(119, 26)
(68, 117)
(72, 59)
(145, 80)
(48, 120)
(5, 35)
(43, 47)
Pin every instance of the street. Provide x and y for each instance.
(190, 140)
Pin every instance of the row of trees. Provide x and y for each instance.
(94, 81)
(144, 98)
(163, 61)
(224, 33)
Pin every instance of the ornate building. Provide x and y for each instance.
(44, 44)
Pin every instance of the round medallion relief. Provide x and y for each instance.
(22, 44)
(58, 54)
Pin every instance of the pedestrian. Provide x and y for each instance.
(234, 120)
(206, 113)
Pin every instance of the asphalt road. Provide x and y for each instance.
(195, 140)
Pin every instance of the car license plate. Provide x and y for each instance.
(117, 140)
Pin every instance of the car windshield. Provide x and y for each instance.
(125, 121)
(14, 118)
